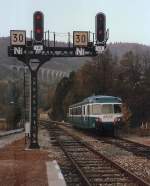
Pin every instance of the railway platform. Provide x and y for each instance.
(7, 133)
(20, 166)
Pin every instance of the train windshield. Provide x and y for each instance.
(117, 108)
(106, 109)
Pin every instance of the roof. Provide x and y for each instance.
(99, 99)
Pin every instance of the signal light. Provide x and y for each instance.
(38, 26)
(38, 17)
(100, 30)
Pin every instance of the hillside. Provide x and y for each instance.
(119, 49)
(67, 64)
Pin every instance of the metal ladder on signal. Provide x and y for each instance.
(27, 94)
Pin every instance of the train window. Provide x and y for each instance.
(73, 111)
(88, 109)
(85, 107)
(69, 112)
(78, 110)
(117, 108)
(107, 109)
(96, 109)
(83, 110)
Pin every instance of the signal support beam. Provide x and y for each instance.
(41, 48)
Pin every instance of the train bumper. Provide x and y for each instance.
(108, 125)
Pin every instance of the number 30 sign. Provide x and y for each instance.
(80, 38)
(18, 37)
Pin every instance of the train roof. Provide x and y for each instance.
(99, 99)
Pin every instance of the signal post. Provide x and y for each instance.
(38, 50)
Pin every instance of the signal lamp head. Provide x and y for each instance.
(100, 27)
(38, 17)
(38, 26)
(38, 30)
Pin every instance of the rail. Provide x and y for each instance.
(75, 149)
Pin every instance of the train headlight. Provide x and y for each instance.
(118, 119)
(98, 120)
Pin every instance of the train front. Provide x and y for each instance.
(109, 116)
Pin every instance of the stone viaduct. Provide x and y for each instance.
(44, 74)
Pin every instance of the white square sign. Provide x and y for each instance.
(18, 37)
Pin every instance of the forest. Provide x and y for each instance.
(127, 77)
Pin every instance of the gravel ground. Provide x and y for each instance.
(140, 166)
(142, 140)
(54, 152)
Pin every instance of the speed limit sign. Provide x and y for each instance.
(18, 37)
(80, 38)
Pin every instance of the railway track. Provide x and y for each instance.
(71, 175)
(128, 145)
(134, 147)
(92, 167)
(131, 146)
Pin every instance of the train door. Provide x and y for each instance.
(86, 116)
(71, 115)
(88, 113)
(83, 115)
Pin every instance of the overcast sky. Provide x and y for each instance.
(127, 20)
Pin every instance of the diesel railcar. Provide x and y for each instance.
(102, 113)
